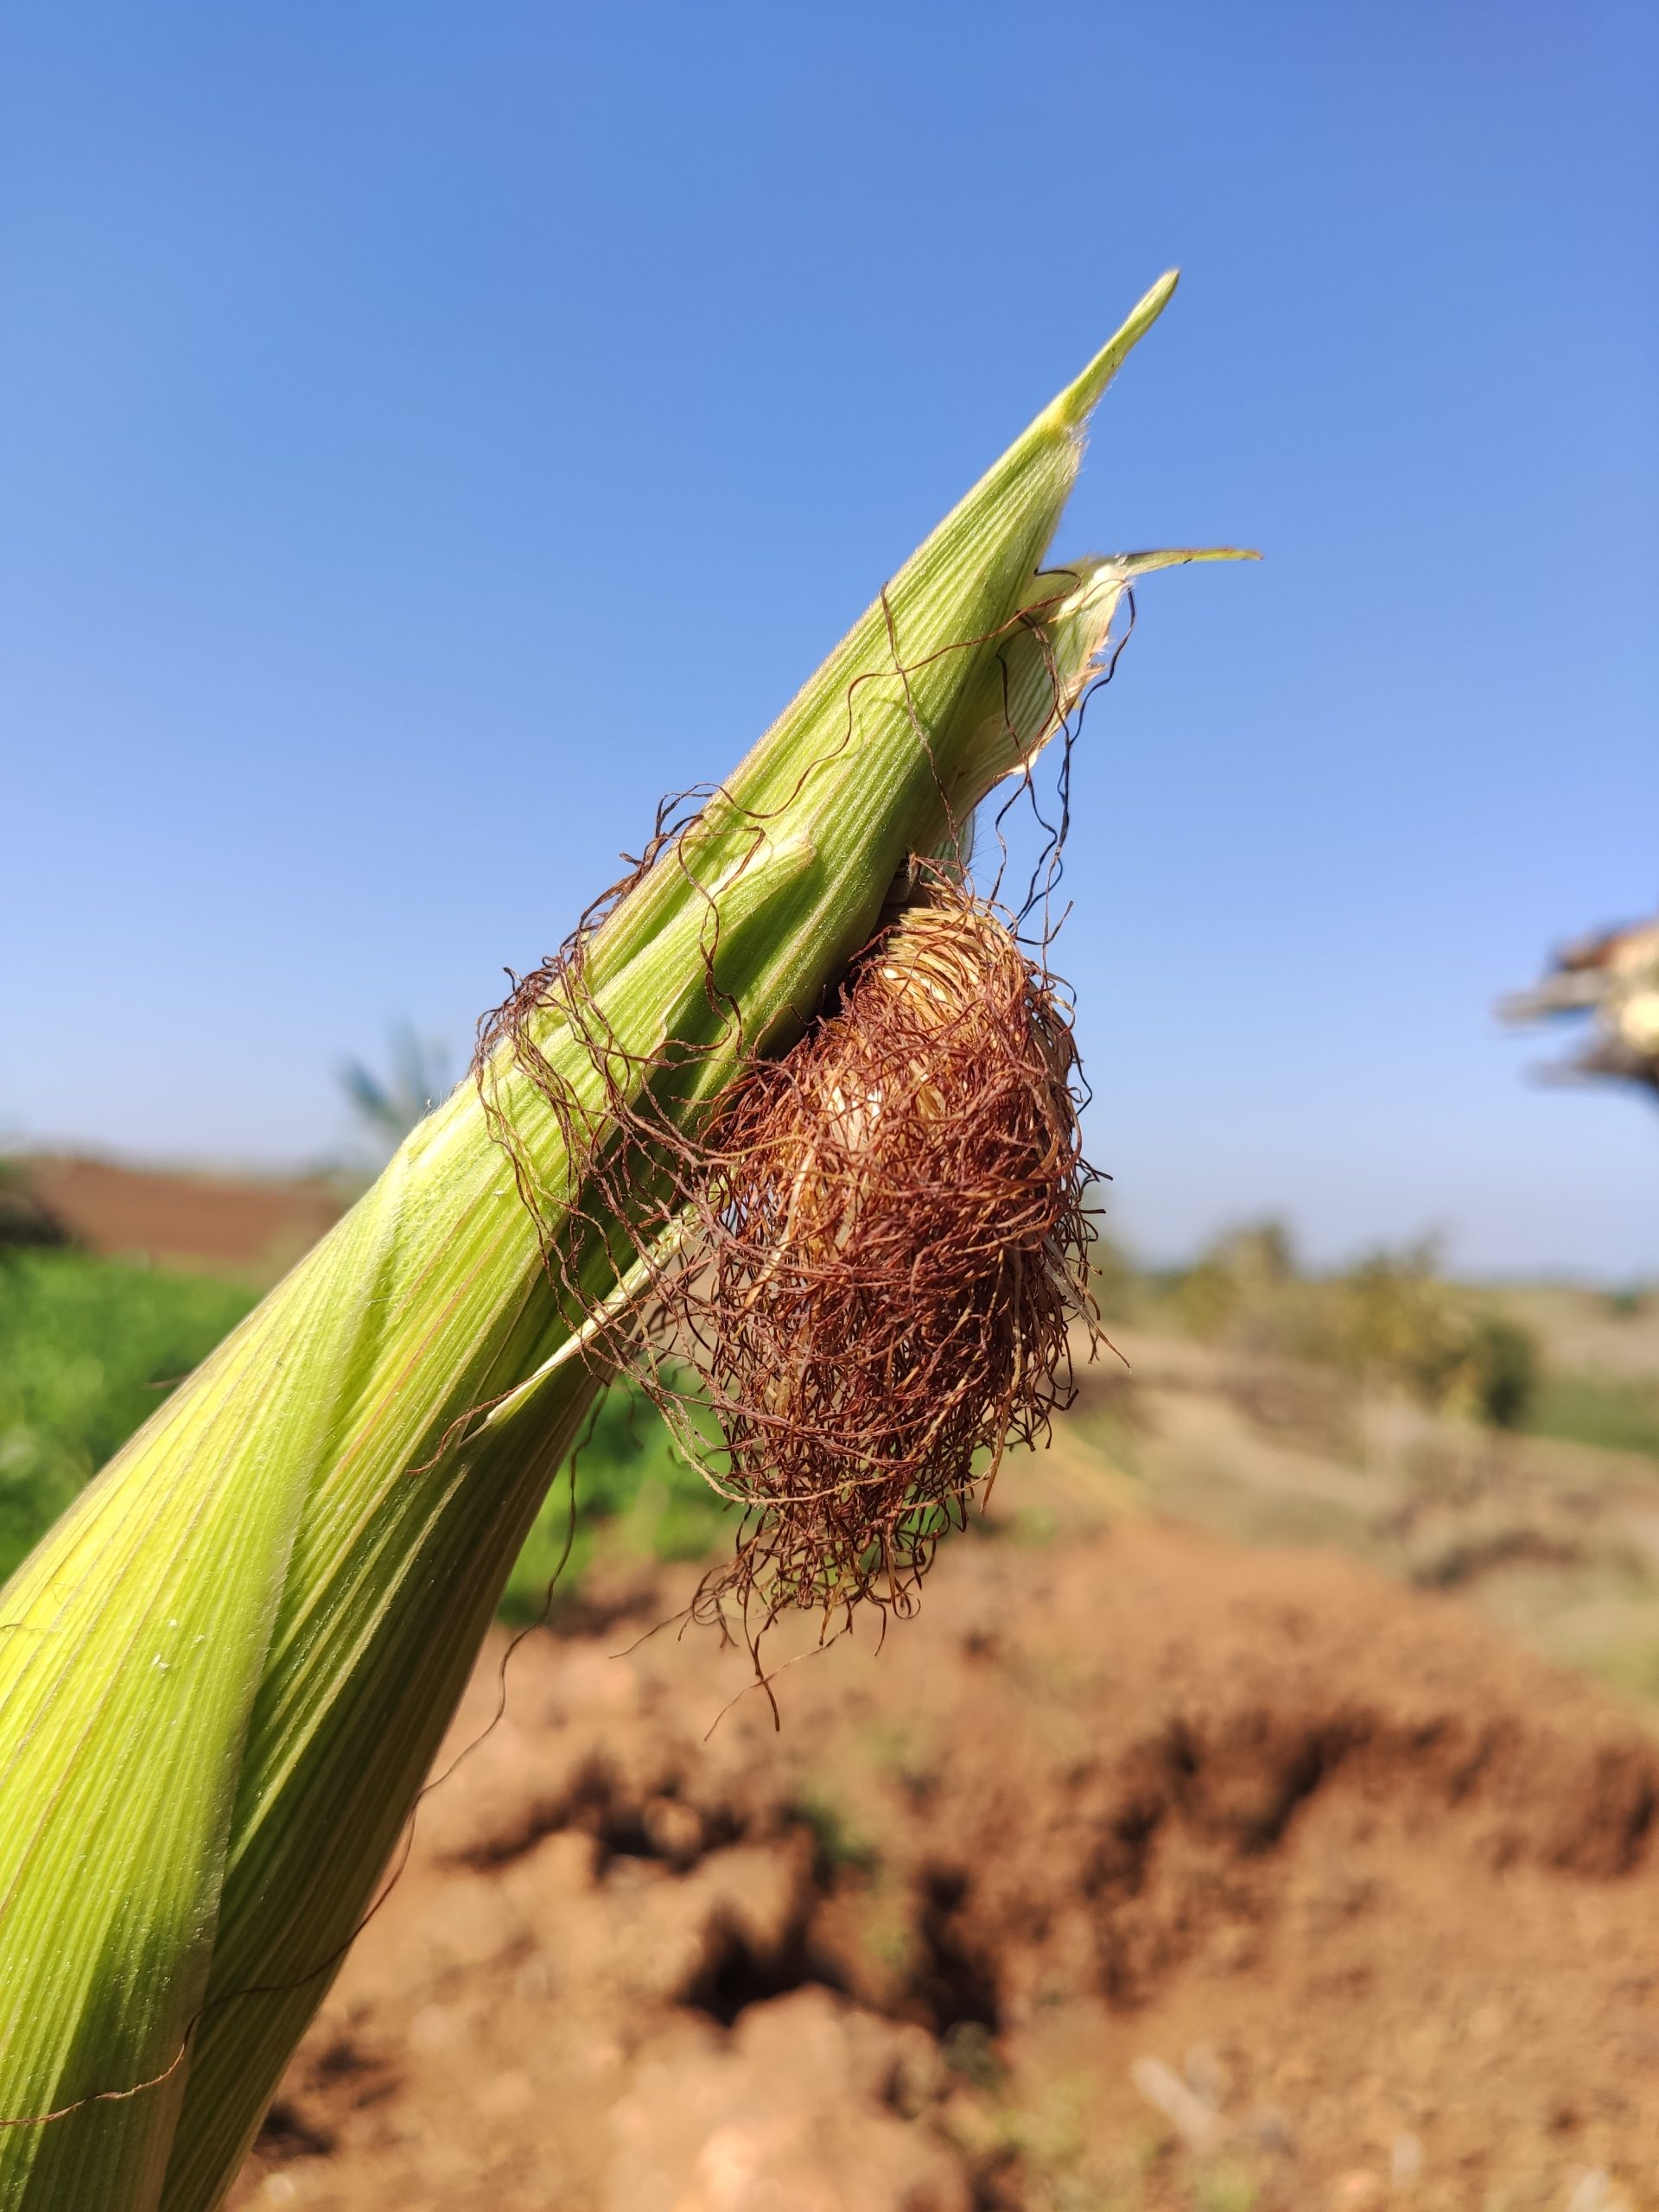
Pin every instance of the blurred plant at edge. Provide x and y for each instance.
(1391, 1322)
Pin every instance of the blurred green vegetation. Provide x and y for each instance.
(1585, 1410)
(89, 1347)
(633, 1496)
(1390, 1322)
(88, 1350)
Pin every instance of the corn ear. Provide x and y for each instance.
(224, 1674)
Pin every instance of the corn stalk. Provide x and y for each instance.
(225, 1673)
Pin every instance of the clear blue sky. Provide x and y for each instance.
(429, 432)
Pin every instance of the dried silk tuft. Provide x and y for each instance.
(864, 1280)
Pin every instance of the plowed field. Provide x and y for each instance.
(1140, 1870)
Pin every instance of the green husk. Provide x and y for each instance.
(225, 1673)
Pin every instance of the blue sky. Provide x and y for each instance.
(431, 432)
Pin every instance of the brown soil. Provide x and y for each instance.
(230, 1224)
(1555, 1542)
(1141, 1870)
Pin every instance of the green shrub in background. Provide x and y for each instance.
(1392, 1322)
(1497, 1372)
